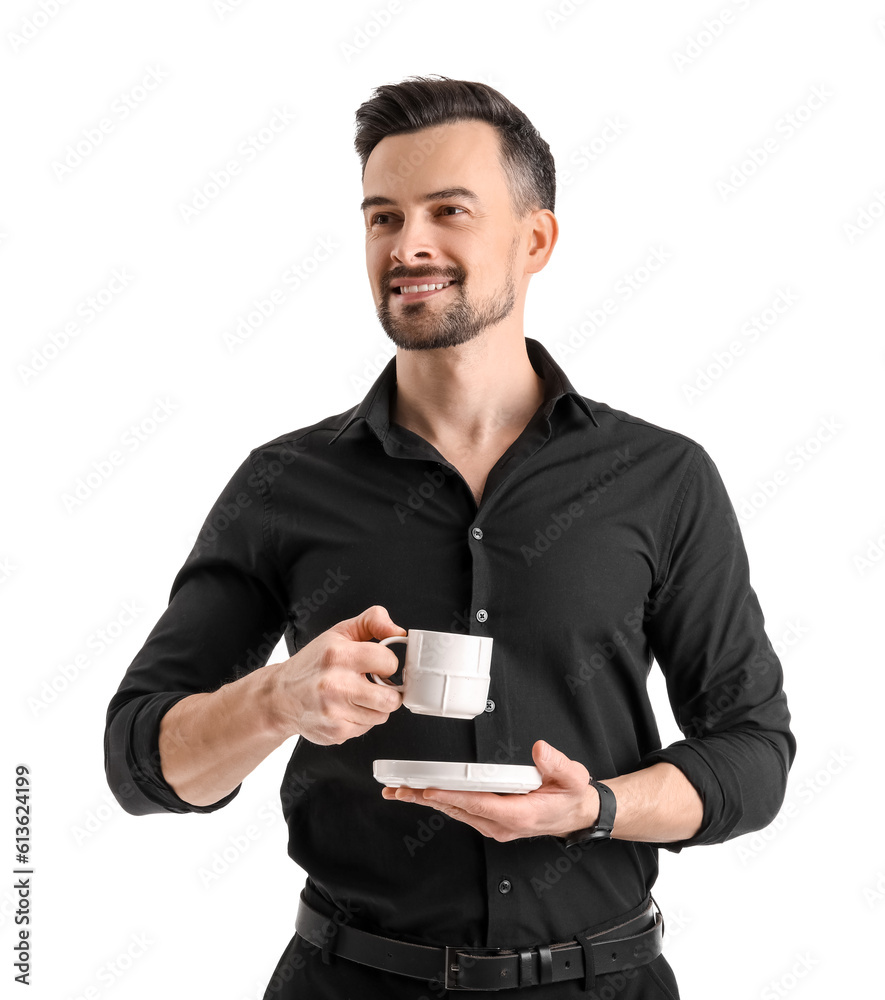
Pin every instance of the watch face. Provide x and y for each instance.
(600, 834)
(589, 836)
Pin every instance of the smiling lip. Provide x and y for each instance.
(429, 288)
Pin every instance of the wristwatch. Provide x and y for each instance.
(605, 821)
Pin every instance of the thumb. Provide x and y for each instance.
(373, 623)
(553, 763)
(547, 758)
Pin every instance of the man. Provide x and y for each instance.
(472, 490)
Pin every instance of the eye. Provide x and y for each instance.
(379, 219)
(452, 208)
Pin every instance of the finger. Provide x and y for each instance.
(362, 718)
(366, 657)
(508, 810)
(373, 623)
(556, 768)
(487, 827)
(374, 696)
(372, 658)
(376, 666)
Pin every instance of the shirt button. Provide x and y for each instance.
(482, 615)
(477, 533)
(505, 885)
(490, 705)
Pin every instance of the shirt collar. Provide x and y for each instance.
(375, 407)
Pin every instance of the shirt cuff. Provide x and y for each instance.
(132, 760)
(691, 762)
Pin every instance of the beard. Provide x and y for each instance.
(417, 328)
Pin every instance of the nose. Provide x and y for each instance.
(412, 242)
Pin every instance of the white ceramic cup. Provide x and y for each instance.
(445, 673)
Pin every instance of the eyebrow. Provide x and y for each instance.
(446, 193)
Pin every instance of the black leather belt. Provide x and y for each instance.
(585, 956)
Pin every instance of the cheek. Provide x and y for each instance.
(375, 268)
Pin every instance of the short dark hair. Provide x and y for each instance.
(421, 102)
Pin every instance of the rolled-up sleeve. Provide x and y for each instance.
(724, 680)
(226, 613)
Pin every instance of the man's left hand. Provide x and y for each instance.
(565, 802)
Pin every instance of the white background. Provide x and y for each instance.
(120, 907)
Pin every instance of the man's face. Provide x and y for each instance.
(438, 211)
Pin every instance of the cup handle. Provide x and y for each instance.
(387, 642)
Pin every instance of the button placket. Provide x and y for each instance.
(480, 574)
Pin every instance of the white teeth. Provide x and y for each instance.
(411, 289)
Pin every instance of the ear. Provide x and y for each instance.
(543, 234)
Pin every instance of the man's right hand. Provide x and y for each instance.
(210, 741)
(322, 692)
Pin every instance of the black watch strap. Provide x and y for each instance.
(605, 821)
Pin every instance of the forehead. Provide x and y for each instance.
(465, 154)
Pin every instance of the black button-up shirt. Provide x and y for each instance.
(601, 542)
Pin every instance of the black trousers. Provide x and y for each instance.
(301, 974)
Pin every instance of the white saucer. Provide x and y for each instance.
(519, 778)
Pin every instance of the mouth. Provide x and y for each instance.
(420, 290)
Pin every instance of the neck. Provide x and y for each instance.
(474, 394)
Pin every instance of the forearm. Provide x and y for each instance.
(656, 805)
(210, 742)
